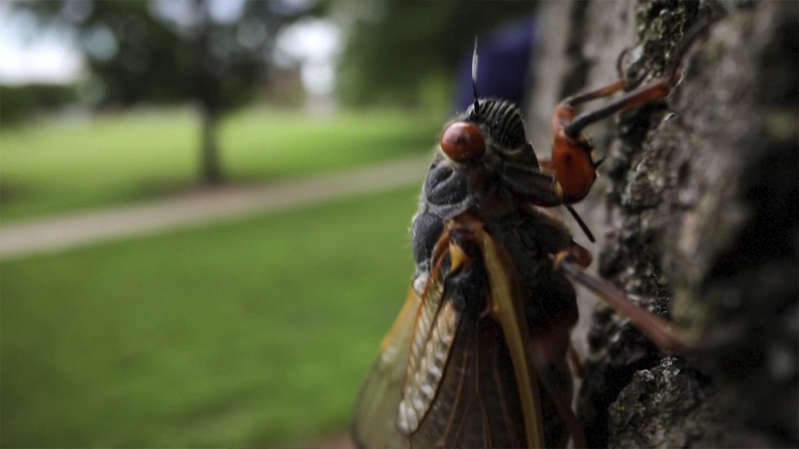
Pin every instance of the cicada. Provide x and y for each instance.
(478, 354)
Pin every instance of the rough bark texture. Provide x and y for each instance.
(696, 212)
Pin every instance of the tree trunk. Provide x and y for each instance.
(210, 164)
(208, 95)
(696, 213)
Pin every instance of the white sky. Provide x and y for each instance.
(28, 54)
(25, 57)
(315, 44)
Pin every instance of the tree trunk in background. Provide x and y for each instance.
(208, 95)
(211, 167)
(696, 213)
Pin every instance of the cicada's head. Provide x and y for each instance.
(491, 130)
(488, 146)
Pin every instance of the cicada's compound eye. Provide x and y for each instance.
(462, 141)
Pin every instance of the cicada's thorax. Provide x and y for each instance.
(452, 188)
(529, 235)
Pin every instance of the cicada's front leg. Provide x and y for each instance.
(568, 176)
(572, 162)
(574, 168)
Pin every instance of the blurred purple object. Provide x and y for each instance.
(504, 65)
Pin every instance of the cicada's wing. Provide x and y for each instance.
(374, 421)
(446, 376)
(402, 384)
(454, 371)
(530, 361)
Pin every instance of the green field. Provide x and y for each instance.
(56, 166)
(251, 333)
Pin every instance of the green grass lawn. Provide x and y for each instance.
(49, 167)
(252, 333)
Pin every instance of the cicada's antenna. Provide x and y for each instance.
(474, 76)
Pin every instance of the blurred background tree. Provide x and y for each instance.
(408, 53)
(214, 54)
(186, 338)
(218, 54)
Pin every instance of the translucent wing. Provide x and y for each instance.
(432, 341)
(374, 421)
(468, 381)
(402, 384)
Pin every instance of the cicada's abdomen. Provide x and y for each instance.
(475, 399)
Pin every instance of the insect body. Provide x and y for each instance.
(446, 366)
(477, 356)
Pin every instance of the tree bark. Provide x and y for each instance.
(696, 210)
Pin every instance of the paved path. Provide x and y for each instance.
(202, 206)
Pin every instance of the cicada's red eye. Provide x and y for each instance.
(462, 141)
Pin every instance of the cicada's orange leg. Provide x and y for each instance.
(651, 92)
(572, 165)
(571, 162)
(610, 89)
(657, 329)
(574, 169)
(660, 331)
